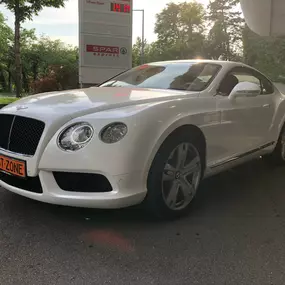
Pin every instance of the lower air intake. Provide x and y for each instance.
(82, 182)
(30, 184)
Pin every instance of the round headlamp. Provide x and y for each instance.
(75, 137)
(113, 132)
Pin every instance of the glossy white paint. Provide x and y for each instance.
(231, 128)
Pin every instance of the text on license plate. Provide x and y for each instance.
(12, 166)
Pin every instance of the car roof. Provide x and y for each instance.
(220, 62)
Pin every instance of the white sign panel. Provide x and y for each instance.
(105, 35)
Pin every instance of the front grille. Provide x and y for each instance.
(5, 127)
(82, 182)
(20, 134)
(31, 184)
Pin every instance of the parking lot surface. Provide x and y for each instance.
(235, 234)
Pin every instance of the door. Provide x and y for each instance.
(245, 121)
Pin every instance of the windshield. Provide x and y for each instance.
(177, 76)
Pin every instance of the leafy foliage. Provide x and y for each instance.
(188, 30)
(45, 84)
(180, 30)
(265, 53)
(23, 10)
(225, 35)
(185, 30)
(6, 38)
(43, 61)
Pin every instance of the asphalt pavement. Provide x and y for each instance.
(235, 234)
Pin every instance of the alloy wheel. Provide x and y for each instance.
(181, 176)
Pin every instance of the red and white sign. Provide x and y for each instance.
(102, 49)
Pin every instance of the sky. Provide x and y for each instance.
(63, 23)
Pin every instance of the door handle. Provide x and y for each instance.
(266, 106)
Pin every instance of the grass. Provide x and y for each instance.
(7, 100)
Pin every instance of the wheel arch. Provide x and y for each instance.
(174, 130)
(281, 126)
(279, 118)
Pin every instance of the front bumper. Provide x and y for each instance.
(124, 164)
(126, 192)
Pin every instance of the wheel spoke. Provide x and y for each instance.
(177, 190)
(169, 167)
(283, 147)
(182, 155)
(172, 196)
(188, 190)
(169, 172)
(192, 167)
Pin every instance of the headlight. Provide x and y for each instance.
(113, 132)
(75, 137)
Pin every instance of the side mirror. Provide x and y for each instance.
(245, 89)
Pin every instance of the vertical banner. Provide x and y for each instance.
(105, 39)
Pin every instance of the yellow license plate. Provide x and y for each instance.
(12, 166)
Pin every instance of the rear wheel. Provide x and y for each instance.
(174, 177)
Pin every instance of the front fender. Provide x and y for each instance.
(279, 118)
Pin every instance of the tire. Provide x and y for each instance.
(277, 157)
(168, 175)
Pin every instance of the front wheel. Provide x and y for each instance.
(277, 157)
(174, 177)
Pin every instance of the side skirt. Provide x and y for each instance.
(237, 160)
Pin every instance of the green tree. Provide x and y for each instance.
(180, 30)
(54, 59)
(151, 52)
(137, 52)
(23, 10)
(225, 35)
(6, 38)
(44, 58)
(28, 38)
(265, 53)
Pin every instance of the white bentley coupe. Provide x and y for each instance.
(148, 135)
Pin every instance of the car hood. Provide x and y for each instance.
(74, 103)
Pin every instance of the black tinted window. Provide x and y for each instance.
(244, 74)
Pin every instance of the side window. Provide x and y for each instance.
(243, 74)
(257, 78)
(243, 77)
(266, 86)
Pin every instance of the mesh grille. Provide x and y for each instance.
(25, 134)
(5, 126)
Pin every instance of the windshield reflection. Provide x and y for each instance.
(176, 76)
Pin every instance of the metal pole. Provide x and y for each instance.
(143, 39)
(142, 56)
